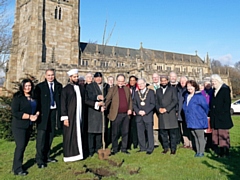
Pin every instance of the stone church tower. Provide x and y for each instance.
(45, 34)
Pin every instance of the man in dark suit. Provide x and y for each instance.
(48, 95)
(94, 100)
(121, 107)
(166, 101)
(143, 106)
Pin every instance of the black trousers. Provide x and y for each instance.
(147, 127)
(120, 126)
(45, 138)
(133, 134)
(94, 142)
(169, 135)
(21, 137)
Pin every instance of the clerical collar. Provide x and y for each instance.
(120, 87)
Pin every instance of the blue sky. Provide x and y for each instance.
(181, 26)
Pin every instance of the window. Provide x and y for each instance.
(159, 68)
(177, 69)
(168, 68)
(58, 13)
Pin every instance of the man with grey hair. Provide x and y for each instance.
(220, 116)
(49, 99)
(88, 78)
(185, 133)
(173, 79)
(154, 86)
(143, 105)
(110, 81)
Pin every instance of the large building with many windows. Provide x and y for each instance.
(46, 34)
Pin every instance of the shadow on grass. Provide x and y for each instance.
(231, 164)
(29, 163)
(57, 150)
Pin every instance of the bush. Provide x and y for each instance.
(6, 120)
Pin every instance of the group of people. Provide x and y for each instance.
(145, 115)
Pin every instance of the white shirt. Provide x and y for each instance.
(49, 85)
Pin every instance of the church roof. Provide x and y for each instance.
(143, 53)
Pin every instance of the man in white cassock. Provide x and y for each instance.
(72, 109)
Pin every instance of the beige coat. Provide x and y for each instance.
(112, 99)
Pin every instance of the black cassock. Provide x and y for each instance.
(72, 106)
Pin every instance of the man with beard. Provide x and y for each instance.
(94, 100)
(72, 109)
(48, 95)
(166, 101)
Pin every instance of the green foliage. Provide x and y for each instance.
(5, 118)
(156, 166)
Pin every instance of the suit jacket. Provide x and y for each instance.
(20, 105)
(220, 117)
(43, 96)
(168, 100)
(112, 99)
(94, 116)
(148, 108)
(155, 114)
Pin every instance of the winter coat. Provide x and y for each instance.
(196, 111)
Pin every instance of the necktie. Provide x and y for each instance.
(51, 94)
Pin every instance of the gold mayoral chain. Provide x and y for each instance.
(142, 103)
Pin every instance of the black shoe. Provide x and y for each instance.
(113, 153)
(165, 151)
(148, 152)
(52, 160)
(126, 152)
(21, 173)
(139, 151)
(156, 146)
(173, 152)
(41, 166)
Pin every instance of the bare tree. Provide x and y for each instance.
(5, 36)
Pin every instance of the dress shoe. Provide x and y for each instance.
(126, 152)
(173, 152)
(21, 173)
(113, 153)
(140, 151)
(165, 151)
(52, 160)
(156, 146)
(41, 166)
(148, 152)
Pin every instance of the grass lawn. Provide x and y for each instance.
(155, 166)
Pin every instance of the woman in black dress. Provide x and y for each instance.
(24, 111)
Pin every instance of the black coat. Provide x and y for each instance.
(148, 108)
(43, 96)
(94, 116)
(20, 105)
(220, 117)
(168, 100)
